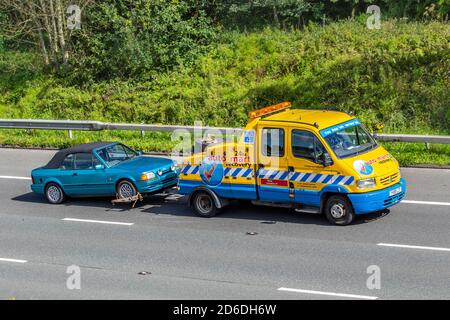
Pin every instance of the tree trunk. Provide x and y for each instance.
(60, 24)
(55, 34)
(275, 16)
(43, 47)
(45, 14)
(39, 28)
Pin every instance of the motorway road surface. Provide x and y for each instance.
(194, 258)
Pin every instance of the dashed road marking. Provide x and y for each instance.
(15, 178)
(333, 294)
(13, 260)
(99, 221)
(412, 247)
(432, 203)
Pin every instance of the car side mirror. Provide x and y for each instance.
(99, 167)
(139, 153)
(375, 136)
(325, 160)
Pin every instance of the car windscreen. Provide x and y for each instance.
(348, 139)
(115, 154)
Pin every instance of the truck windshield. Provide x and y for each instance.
(349, 139)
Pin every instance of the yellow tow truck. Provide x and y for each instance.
(315, 161)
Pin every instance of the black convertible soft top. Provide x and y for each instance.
(57, 160)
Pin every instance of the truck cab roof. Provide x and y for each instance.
(322, 118)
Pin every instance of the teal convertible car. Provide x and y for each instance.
(102, 169)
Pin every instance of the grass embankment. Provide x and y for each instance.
(395, 79)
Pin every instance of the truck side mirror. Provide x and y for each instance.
(325, 160)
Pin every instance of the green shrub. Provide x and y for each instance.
(396, 78)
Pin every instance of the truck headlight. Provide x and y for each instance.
(366, 183)
(148, 176)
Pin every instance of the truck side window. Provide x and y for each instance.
(272, 142)
(306, 145)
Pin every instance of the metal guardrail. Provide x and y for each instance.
(73, 125)
(413, 138)
(98, 126)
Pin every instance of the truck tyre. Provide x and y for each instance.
(54, 193)
(339, 210)
(126, 189)
(204, 205)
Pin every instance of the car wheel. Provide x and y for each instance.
(204, 205)
(54, 193)
(126, 189)
(339, 210)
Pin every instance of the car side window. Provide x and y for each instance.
(68, 162)
(83, 161)
(306, 145)
(273, 142)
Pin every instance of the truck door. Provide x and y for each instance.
(240, 170)
(272, 165)
(308, 177)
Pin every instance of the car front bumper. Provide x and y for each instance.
(154, 186)
(377, 200)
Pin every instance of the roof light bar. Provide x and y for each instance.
(268, 110)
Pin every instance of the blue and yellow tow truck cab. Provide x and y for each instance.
(315, 161)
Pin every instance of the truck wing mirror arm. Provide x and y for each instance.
(325, 160)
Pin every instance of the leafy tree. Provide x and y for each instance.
(41, 22)
(129, 38)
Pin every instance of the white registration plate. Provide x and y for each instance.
(395, 191)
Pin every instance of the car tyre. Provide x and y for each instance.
(339, 210)
(204, 205)
(126, 189)
(54, 193)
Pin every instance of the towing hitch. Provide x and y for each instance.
(133, 200)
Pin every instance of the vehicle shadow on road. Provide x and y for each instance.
(175, 205)
(32, 197)
(96, 202)
(246, 211)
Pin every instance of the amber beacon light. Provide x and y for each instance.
(268, 110)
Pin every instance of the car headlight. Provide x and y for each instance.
(148, 176)
(176, 167)
(366, 183)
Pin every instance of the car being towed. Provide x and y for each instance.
(102, 169)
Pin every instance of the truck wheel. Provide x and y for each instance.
(126, 189)
(54, 193)
(204, 205)
(339, 211)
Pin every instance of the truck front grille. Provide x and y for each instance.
(390, 179)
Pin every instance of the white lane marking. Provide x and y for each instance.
(427, 202)
(412, 247)
(99, 221)
(13, 260)
(15, 178)
(324, 293)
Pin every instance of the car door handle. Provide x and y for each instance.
(291, 169)
(75, 174)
